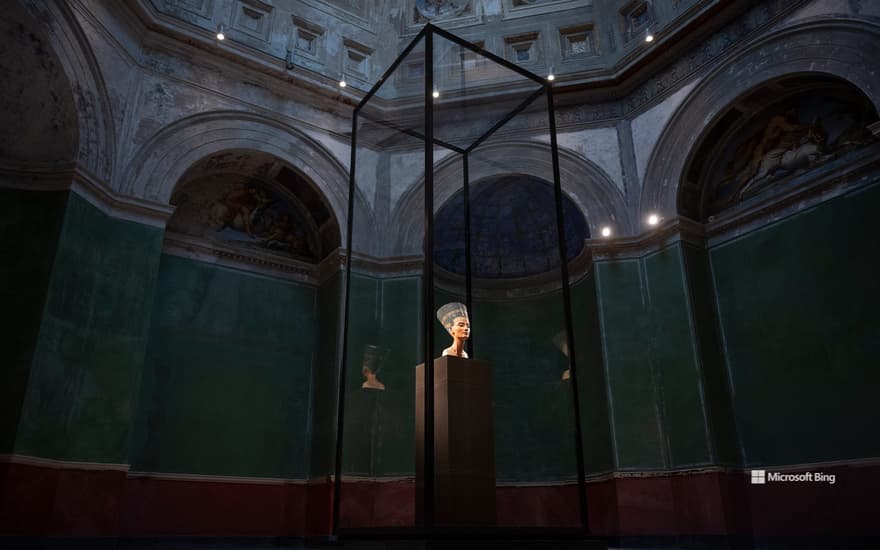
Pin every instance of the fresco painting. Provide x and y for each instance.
(243, 214)
(784, 141)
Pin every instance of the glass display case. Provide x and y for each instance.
(440, 212)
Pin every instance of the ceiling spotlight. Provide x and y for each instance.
(648, 36)
(435, 94)
(550, 76)
(653, 219)
(343, 83)
(606, 231)
(220, 33)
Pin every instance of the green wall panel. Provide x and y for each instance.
(324, 380)
(227, 378)
(533, 414)
(719, 408)
(401, 307)
(798, 308)
(360, 426)
(30, 225)
(592, 393)
(653, 370)
(673, 355)
(380, 424)
(635, 414)
(87, 363)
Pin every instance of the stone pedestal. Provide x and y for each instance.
(464, 442)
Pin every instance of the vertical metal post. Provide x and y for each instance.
(467, 250)
(428, 505)
(340, 412)
(569, 325)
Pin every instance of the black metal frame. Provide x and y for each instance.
(427, 33)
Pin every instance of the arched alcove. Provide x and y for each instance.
(48, 35)
(584, 183)
(838, 48)
(251, 200)
(37, 106)
(158, 166)
(513, 229)
(771, 138)
(243, 322)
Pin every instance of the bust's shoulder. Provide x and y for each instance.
(448, 351)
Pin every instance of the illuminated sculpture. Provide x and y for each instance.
(454, 318)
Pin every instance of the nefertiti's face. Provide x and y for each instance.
(461, 328)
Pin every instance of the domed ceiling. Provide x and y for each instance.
(513, 229)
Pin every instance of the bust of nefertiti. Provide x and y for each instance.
(454, 318)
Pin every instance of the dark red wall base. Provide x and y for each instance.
(39, 500)
(166, 507)
(64, 500)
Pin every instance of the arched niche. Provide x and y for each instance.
(514, 238)
(53, 26)
(597, 198)
(513, 228)
(37, 105)
(253, 201)
(771, 138)
(838, 48)
(161, 163)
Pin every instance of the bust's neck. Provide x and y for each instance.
(457, 347)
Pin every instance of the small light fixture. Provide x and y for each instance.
(653, 219)
(220, 34)
(342, 82)
(606, 231)
(435, 94)
(550, 76)
(648, 36)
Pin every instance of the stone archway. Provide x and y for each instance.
(160, 164)
(837, 48)
(96, 144)
(587, 185)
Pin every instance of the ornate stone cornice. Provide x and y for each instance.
(518, 288)
(173, 35)
(76, 178)
(678, 229)
(789, 198)
(262, 262)
(250, 260)
(331, 265)
(584, 93)
(663, 83)
(398, 266)
(796, 195)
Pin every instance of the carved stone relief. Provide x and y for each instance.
(438, 10)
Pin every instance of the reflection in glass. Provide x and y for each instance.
(374, 358)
